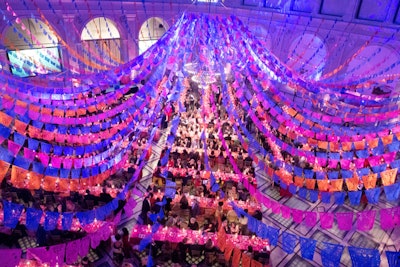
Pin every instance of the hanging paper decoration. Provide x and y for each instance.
(365, 220)
(288, 242)
(307, 248)
(12, 213)
(392, 192)
(85, 246)
(393, 258)
(51, 220)
(236, 257)
(326, 220)
(373, 195)
(387, 219)
(364, 257)
(344, 220)
(355, 197)
(310, 218)
(67, 218)
(10, 257)
(331, 254)
(33, 217)
(297, 215)
(72, 251)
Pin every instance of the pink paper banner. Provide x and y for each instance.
(344, 220)
(10, 257)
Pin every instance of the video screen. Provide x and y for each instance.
(32, 62)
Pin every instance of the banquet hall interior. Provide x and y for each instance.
(199, 133)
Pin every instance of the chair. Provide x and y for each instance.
(221, 259)
(210, 258)
(89, 204)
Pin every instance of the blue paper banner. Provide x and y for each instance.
(361, 257)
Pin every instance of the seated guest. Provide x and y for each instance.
(184, 202)
(195, 208)
(193, 224)
(191, 164)
(262, 256)
(205, 191)
(172, 220)
(118, 254)
(209, 246)
(249, 252)
(208, 226)
(199, 165)
(232, 216)
(257, 215)
(243, 194)
(186, 179)
(156, 207)
(183, 248)
(234, 228)
(152, 187)
(243, 220)
(89, 196)
(226, 227)
(104, 196)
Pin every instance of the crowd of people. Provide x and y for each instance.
(194, 205)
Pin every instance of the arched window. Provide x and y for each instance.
(101, 42)
(150, 31)
(32, 48)
(307, 56)
(372, 61)
(262, 35)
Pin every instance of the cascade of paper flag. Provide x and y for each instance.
(68, 138)
(330, 253)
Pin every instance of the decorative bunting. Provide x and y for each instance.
(364, 257)
(288, 242)
(307, 248)
(344, 220)
(393, 258)
(331, 254)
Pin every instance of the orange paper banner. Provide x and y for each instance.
(20, 126)
(323, 185)
(370, 180)
(388, 177)
(352, 183)
(3, 169)
(49, 183)
(310, 184)
(18, 176)
(336, 185)
(299, 181)
(35, 181)
(373, 143)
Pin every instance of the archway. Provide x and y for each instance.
(307, 56)
(150, 31)
(101, 42)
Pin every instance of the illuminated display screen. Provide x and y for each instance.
(32, 62)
